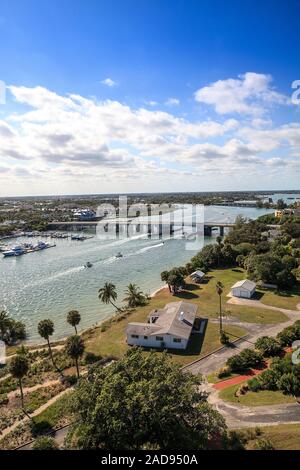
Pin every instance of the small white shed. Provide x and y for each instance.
(197, 276)
(244, 289)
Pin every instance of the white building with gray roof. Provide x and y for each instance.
(169, 327)
(244, 289)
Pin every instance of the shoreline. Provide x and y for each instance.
(153, 294)
(36, 345)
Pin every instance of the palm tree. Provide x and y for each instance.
(74, 318)
(134, 296)
(165, 275)
(4, 324)
(18, 368)
(108, 294)
(75, 349)
(46, 329)
(219, 289)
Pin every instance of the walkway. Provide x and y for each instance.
(237, 380)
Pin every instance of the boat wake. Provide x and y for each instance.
(55, 276)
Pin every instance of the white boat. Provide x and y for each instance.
(17, 250)
(41, 245)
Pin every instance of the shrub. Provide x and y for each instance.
(3, 399)
(45, 443)
(268, 380)
(246, 359)
(289, 384)
(242, 390)
(224, 338)
(287, 336)
(235, 363)
(268, 346)
(263, 444)
(223, 372)
(39, 427)
(235, 440)
(254, 384)
(91, 358)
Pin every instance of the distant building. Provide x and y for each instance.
(169, 327)
(244, 289)
(279, 214)
(84, 215)
(197, 276)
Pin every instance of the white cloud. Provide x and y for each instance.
(109, 82)
(72, 142)
(151, 103)
(249, 94)
(172, 102)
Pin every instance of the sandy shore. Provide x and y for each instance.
(153, 294)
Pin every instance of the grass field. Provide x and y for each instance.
(282, 436)
(283, 299)
(263, 397)
(113, 340)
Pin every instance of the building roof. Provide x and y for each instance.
(198, 273)
(245, 284)
(176, 319)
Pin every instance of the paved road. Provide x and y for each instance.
(213, 362)
(240, 416)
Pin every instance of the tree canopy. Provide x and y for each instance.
(143, 402)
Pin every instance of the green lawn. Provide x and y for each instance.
(57, 414)
(113, 340)
(283, 299)
(214, 379)
(208, 301)
(263, 397)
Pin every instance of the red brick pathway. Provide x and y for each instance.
(237, 380)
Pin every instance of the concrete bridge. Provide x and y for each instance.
(141, 226)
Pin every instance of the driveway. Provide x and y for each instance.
(214, 361)
(240, 416)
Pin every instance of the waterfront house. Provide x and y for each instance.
(169, 327)
(244, 289)
(197, 276)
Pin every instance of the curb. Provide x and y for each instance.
(213, 352)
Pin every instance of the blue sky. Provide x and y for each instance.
(195, 92)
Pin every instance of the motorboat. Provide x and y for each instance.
(41, 246)
(80, 238)
(88, 264)
(119, 255)
(17, 250)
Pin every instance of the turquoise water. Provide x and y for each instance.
(47, 284)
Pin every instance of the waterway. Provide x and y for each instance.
(49, 283)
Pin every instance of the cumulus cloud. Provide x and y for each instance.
(249, 94)
(172, 102)
(109, 82)
(61, 140)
